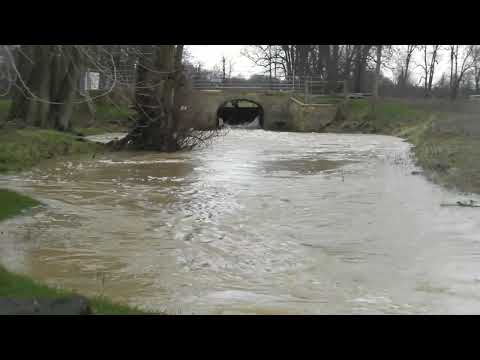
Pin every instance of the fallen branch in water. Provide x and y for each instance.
(471, 203)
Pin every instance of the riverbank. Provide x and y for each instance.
(102, 116)
(445, 136)
(20, 286)
(12, 204)
(22, 148)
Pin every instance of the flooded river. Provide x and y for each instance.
(258, 223)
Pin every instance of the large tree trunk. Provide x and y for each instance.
(377, 72)
(376, 78)
(332, 68)
(360, 66)
(37, 113)
(431, 70)
(302, 56)
(348, 63)
(323, 61)
(404, 77)
(25, 66)
(61, 113)
(47, 80)
(155, 100)
(477, 82)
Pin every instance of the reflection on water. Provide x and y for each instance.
(260, 222)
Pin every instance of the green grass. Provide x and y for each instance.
(4, 108)
(106, 112)
(389, 117)
(108, 117)
(89, 131)
(450, 159)
(12, 204)
(325, 99)
(319, 99)
(23, 148)
(20, 286)
(446, 142)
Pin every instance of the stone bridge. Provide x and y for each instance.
(199, 109)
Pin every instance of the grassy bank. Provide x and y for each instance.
(104, 116)
(23, 148)
(20, 286)
(107, 117)
(4, 108)
(12, 204)
(446, 137)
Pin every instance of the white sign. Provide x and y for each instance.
(92, 80)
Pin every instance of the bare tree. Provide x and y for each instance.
(430, 60)
(476, 67)
(404, 61)
(231, 64)
(269, 58)
(360, 62)
(462, 59)
(332, 66)
(224, 68)
(347, 54)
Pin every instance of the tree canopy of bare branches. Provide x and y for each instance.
(462, 59)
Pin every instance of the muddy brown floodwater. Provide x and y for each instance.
(258, 223)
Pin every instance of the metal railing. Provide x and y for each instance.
(305, 88)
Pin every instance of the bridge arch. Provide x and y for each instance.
(230, 112)
(280, 111)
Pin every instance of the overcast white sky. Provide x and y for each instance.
(211, 55)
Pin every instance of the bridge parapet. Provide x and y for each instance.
(280, 110)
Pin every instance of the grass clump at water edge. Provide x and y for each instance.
(20, 286)
(23, 148)
(12, 204)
